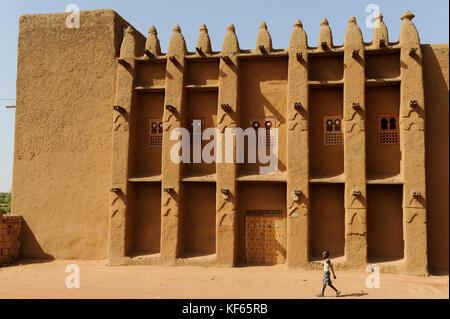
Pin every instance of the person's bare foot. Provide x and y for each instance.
(338, 293)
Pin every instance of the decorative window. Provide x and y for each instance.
(156, 132)
(264, 212)
(388, 129)
(332, 130)
(267, 124)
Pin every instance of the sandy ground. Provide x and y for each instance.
(47, 280)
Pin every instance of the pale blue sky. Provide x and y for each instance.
(431, 20)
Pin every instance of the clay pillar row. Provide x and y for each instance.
(172, 190)
(226, 187)
(354, 147)
(123, 105)
(298, 157)
(412, 145)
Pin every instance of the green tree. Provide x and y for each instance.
(5, 198)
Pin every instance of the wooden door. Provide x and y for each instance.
(265, 239)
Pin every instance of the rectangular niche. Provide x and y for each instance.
(199, 220)
(382, 139)
(382, 66)
(327, 221)
(202, 73)
(326, 152)
(326, 67)
(151, 74)
(200, 106)
(261, 197)
(263, 97)
(384, 222)
(146, 141)
(145, 233)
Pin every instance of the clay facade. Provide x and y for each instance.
(353, 151)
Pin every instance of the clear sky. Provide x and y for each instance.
(431, 20)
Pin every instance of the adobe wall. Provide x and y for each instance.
(436, 81)
(382, 160)
(62, 157)
(199, 220)
(327, 220)
(147, 223)
(384, 223)
(326, 160)
(263, 94)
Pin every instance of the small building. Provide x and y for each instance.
(362, 166)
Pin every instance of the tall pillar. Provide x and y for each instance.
(152, 45)
(203, 41)
(171, 199)
(298, 157)
(354, 147)
(123, 104)
(227, 117)
(412, 145)
(380, 33)
(263, 39)
(325, 36)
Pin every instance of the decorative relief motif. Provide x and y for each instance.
(298, 120)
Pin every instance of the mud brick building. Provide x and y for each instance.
(363, 147)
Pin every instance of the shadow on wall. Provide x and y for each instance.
(32, 252)
(437, 150)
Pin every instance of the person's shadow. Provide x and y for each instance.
(355, 294)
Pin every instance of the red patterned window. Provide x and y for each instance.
(155, 132)
(332, 130)
(267, 124)
(388, 129)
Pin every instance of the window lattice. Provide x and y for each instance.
(259, 139)
(264, 212)
(388, 129)
(155, 132)
(332, 128)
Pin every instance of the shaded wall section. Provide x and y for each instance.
(62, 156)
(435, 72)
(263, 94)
(382, 160)
(325, 160)
(199, 220)
(146, 233)
(145, 160)
(327, 224)
(384, 223)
